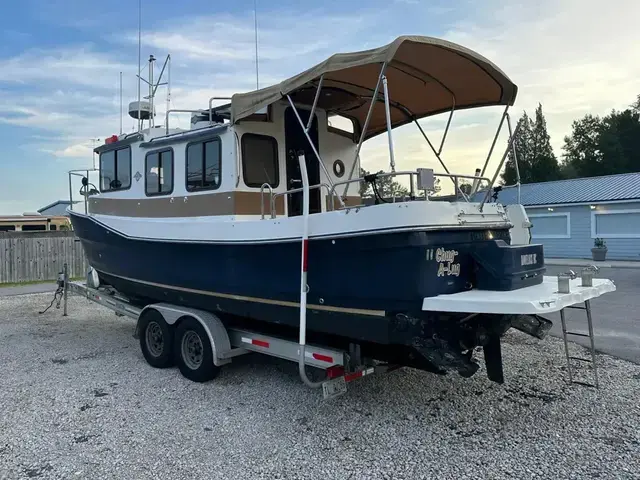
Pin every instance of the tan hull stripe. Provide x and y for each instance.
(203, 205)
(242, 298)
(206, 204)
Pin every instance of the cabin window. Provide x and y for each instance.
(203, 165)
(159, 172)
(260, 160)
(115, 170)
(53, 227)
(7, 228)
(341, 125)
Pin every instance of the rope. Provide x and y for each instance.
(57, 295)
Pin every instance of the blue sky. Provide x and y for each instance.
(60, 64)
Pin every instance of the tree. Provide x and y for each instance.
(581, 150)
(604, 146)
(536, 160)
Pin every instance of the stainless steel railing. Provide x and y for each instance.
(79, 173)
(331, 191)
(456, 180)
(273, 197)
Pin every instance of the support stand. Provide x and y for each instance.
(65, 288)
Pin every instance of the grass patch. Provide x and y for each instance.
(36, 282)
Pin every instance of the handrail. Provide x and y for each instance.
(280, 194)
(210, 106)
(296, 190)
(411, 173)
(174, 110)
(77, 173)
(262, 200)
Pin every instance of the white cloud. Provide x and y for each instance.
(79, 66)
(575, 57)
(230, 39)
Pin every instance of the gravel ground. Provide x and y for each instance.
(77, 400)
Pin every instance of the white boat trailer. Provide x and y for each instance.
(335, 367)
(340, 367)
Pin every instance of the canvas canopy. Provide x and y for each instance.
(426, 76)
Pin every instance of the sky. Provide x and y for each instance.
(60, 65)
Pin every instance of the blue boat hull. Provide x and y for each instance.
(366, 289)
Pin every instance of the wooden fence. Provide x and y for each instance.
(34, 256)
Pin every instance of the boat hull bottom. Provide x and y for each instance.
(437, 342)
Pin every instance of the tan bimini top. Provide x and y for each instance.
(426, 76)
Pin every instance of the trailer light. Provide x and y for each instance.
(322, 358)
(335, 372)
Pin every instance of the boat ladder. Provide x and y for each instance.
(587, 275)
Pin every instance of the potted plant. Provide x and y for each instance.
(599, 250)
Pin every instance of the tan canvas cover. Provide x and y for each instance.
(425, 77)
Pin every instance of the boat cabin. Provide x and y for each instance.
(220, 169)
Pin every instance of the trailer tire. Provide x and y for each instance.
(193, 352)
(156, 339)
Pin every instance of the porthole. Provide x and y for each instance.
(338, 168)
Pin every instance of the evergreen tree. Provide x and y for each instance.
(536, 160)
(544, 165)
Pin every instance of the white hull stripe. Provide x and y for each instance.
(329, 236)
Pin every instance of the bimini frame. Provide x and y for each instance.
(429, 76)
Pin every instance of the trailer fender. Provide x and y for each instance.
(217, 333)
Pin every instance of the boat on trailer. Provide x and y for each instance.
(254, 215)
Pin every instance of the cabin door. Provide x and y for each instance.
(295, 141)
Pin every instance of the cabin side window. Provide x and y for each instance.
(260, 160)
(341, 125)
(159, 172)
(115, 170)
(203, 165)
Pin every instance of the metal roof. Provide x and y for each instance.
(58, 208)
(624, 186)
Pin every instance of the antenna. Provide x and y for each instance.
(168, 82)
(120, 103)
(255, 19)
(151, 91)
(139, 62)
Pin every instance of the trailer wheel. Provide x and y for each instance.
(156, 340)
(194, 355)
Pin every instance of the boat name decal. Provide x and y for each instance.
(445, 259)
(528, 259)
